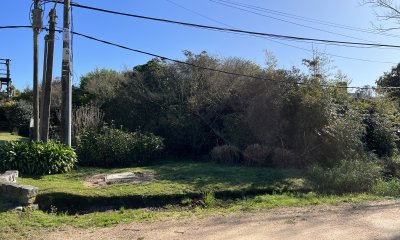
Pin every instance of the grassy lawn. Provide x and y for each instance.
(206, 179)
(4, 137)
(174, 181)
(173, 177)
(180, 189)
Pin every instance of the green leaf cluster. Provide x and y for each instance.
(37, 158)
(116, 148)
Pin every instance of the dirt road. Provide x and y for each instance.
(369, 221)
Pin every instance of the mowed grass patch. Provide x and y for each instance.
(204, 178)
(5, 137)
(173, 177)
(174, 181)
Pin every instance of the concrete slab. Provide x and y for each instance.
(120, 177)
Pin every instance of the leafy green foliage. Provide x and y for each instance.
(348, 176)
(387, 188)
(380, 136)
(391, 166)
(37, 158)
(112, 147)
(390, 79)
(97, 87)
(18, 115)
(300, 116)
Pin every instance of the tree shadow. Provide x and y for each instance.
(5, 205)
(215, 176)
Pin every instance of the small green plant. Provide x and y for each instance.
(209, 199)
(37, 158)
(116, 148)
(187, 201)
(226, 154)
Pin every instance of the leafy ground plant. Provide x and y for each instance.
(37, 158)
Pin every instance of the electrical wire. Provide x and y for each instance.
(277, 36)
(202, 67)
(281, 43)
(14, 27)
(219, 70)
(286, 21)
(307, 19)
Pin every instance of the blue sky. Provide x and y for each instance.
(170, 40)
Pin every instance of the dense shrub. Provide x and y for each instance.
(37, 158)
(116, 148)
(87, 118)
(303, 115)
(285, 158)
(380, 137)
(257, 154)
(226, 154)
(348, 176)
(18, 115)
(387, 188)
(391, 166)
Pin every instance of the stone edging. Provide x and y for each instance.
(19, 193)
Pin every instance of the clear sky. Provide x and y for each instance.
(170, 40)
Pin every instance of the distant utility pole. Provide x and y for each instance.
(45, 116)
(66, 106)
(6, 80)
(37, 24)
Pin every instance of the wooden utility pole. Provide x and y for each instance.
(45, 117)
(37, 24)
(66, 106)
(42, 105)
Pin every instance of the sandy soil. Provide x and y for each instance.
(370, 221)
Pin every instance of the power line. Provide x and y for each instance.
(227, 4)
(206, 68)
(218, 70)
(14, 27)
(306, 19)
(282, 43)
(278, 36)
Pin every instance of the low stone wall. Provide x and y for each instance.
(9, 176)
(11, 190)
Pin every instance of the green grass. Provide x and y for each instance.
(19, 222)
(174, 181)
(4, 137)
(173, 177)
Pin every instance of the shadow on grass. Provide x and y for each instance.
(78, 204)
(5, 205)
(210, 175)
